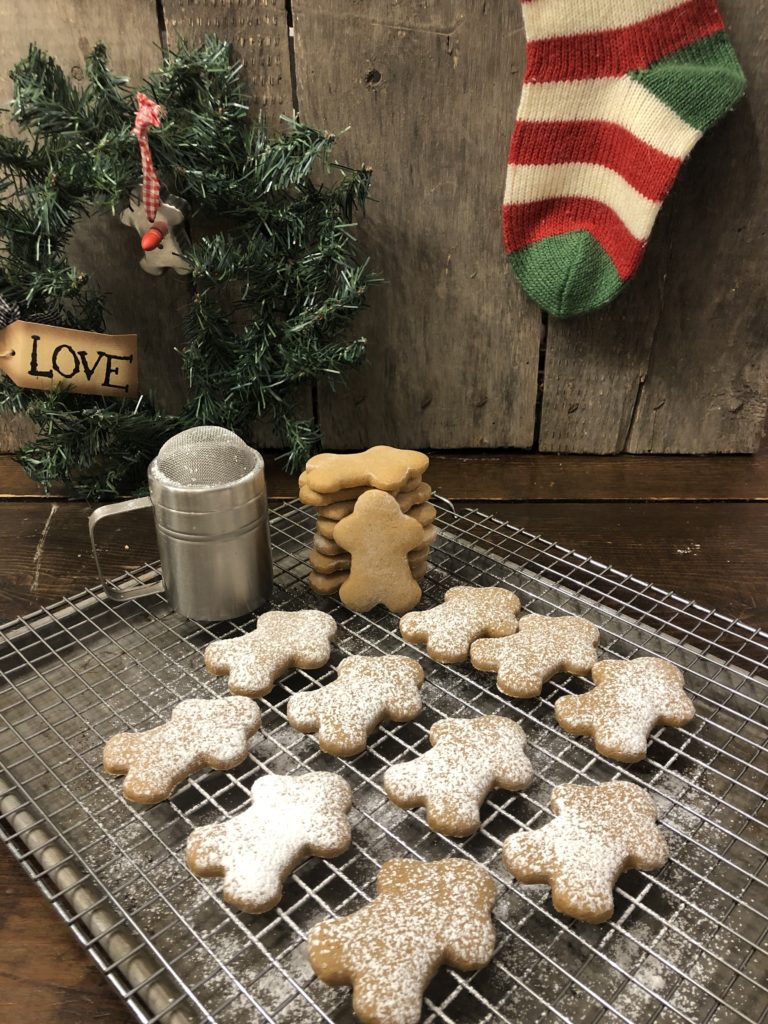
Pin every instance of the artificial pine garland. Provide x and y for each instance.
(273, 293)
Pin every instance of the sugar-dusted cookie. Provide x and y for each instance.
(469, 758)
(379, 537)
(407, 500)
(629, 699)
(598, 833)
(382, 467)
(291, 817)
(200, 734)
(366, 691)
(281, 641)
(543, 647)
(424, 915)
(466, 614)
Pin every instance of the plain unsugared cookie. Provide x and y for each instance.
(379, 538)
(200, 734)
(291, 817)
(629, 699)
(366, 691)
(281, 641)
(467, 613)
(543, 647)
(469, 758)
(598, 833)
(424, 915)
(407, 500)
(326, 563)
(324, 501)
(382, 467)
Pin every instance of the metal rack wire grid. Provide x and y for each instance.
(685, 944)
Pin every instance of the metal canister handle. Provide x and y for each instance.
(120, 593)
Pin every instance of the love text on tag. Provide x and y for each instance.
(43, 356)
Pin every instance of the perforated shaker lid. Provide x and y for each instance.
(205, 468)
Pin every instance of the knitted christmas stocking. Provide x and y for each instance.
(616, 95)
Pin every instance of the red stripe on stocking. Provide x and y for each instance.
(526, 223)
(646, 169)
(618, 51)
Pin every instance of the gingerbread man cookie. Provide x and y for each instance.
(466, 614)
(424, 915)
(543, 647)
(382, 467)
(366, 691)
(326, 584)
(599, 833)
(379, 537)
(629, 699)
(469, 758)
(326, 563)
(281, 641)
(291, 817)
(407, 500)
(200, 734)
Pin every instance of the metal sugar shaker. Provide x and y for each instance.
(209, 498)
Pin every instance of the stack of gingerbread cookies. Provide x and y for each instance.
(374, 526)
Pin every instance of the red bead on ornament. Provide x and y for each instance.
(152, 238)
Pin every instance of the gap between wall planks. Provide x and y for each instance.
(677, 364)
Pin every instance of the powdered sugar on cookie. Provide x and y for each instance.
(543, 647)
(599, 832)
(365, 692)
(629, 699)
(469, 758)
(424, 915)
(200, 733)
(466, 614)
(291, 817)
(281, 641)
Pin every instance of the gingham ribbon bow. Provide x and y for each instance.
(147, 116)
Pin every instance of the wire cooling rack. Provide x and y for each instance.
(685, 944)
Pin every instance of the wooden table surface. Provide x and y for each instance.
(698, 526)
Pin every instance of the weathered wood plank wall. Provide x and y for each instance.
(428, 93)
(458, 357)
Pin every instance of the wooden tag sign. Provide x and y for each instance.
(43, 356)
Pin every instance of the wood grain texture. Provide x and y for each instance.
(429, 91)
(712, 552)
(45, 976)
(504, 476)
(258, 31)
(678, 364)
